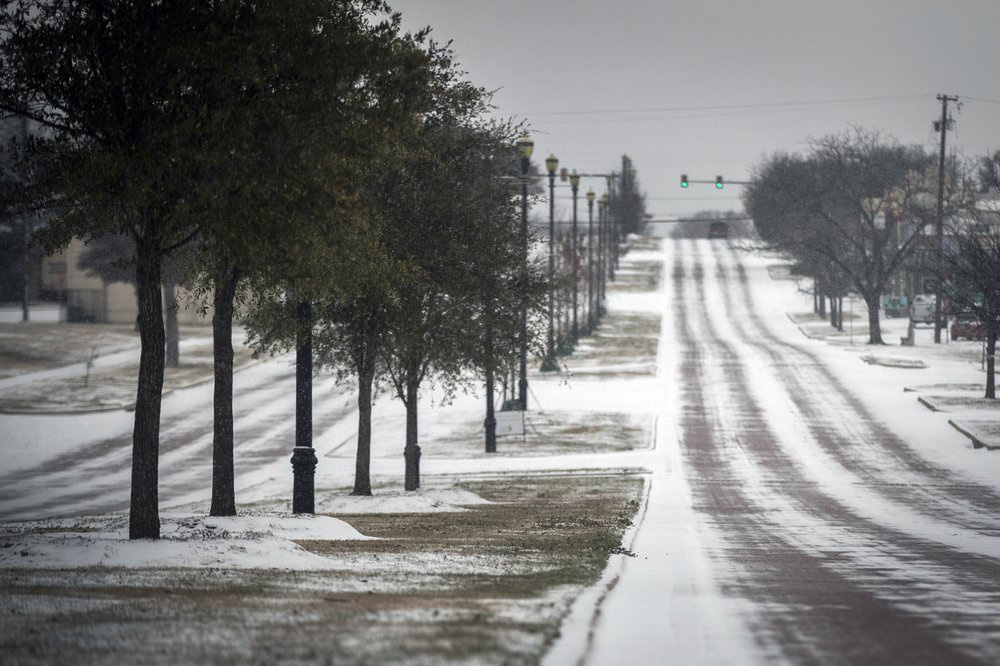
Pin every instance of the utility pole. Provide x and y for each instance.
(942, 126)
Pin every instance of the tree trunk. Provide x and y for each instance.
(26, 272)
(840, 314)
(822, 306)
(490, 425)
(366, 378)
(173, 354)
(144, 519)
(411, 453)
(874, 324)
(223, 477)
(991, 350)
(833, 312)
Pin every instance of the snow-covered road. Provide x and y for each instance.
(789, 522)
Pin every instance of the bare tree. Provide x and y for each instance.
(971, 263)
(854, 207)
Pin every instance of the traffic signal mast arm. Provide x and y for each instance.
(717, 182)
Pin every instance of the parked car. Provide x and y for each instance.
(718, 230)
(922, 309)
(967, 326)
(894, 306)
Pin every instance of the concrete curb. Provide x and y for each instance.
(976, 442)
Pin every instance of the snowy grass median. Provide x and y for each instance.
(489, 584)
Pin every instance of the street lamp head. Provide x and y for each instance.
(552, 163)
(524, 146)
(574, 180)
(590, 195)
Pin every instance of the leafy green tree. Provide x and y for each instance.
(20, 254)
(344, 92)
(627, 205)
(447, 200)
(117, 87)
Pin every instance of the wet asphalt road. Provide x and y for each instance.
(826, 582)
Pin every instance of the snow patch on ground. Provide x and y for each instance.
(253, 540)
(423, 500)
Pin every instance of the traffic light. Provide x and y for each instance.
(718, 182)
(684, 180)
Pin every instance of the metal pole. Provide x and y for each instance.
(590, 265)
(303, 457)
(604, 261)
(549, 363)
(601, 218)
(522, 383)
(575, 335)
(938, 294)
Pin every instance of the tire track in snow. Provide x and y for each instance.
(805, 604)
(860, 443)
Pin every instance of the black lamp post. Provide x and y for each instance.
(303, 457)
(590, 260)
(602, 244)
(524, 148)
(549, 363)
(574, 181)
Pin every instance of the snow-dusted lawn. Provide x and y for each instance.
(483, 581)
(110, 384)
(32, 347)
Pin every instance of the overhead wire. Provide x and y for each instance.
(702, 116)
(710, 107)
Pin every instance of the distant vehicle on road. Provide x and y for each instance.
(922, 309)
(968, 326)
(718, 230)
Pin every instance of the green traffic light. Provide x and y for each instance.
(718, 182)
(684, 180)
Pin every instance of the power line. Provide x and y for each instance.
(981, 99)
(701, 116)
(710, 107)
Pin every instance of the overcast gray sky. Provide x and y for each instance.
(633, 61)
